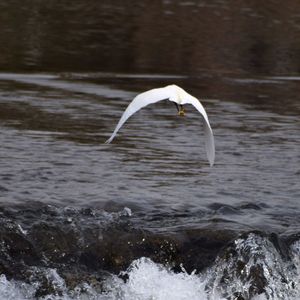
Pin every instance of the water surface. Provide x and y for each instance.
(53, 130)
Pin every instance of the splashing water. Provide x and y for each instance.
(251, 268)
(254, 269)
(148, 280)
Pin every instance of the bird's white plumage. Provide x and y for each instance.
(175, 94)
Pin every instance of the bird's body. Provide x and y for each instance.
(180, 97)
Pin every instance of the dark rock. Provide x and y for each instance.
(86, 246)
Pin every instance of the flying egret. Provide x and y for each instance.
(177, 95)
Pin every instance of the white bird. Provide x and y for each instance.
(177, 95)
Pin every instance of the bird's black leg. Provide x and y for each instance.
(176, 106)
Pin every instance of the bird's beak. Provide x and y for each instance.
(181, 112)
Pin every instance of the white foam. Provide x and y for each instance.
(12, 290)
(147, 280)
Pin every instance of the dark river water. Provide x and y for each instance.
(146, 217)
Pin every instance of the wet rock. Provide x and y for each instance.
(115, 249)
(77, 242)
(252, 265)
(16, 251)
(198, 248)
(69, 246)
(56, 244)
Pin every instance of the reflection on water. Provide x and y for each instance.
(175, 36)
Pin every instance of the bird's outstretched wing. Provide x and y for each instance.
(141, 101)
(209, 137)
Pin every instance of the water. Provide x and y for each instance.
(146, 217)
(157, 163)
